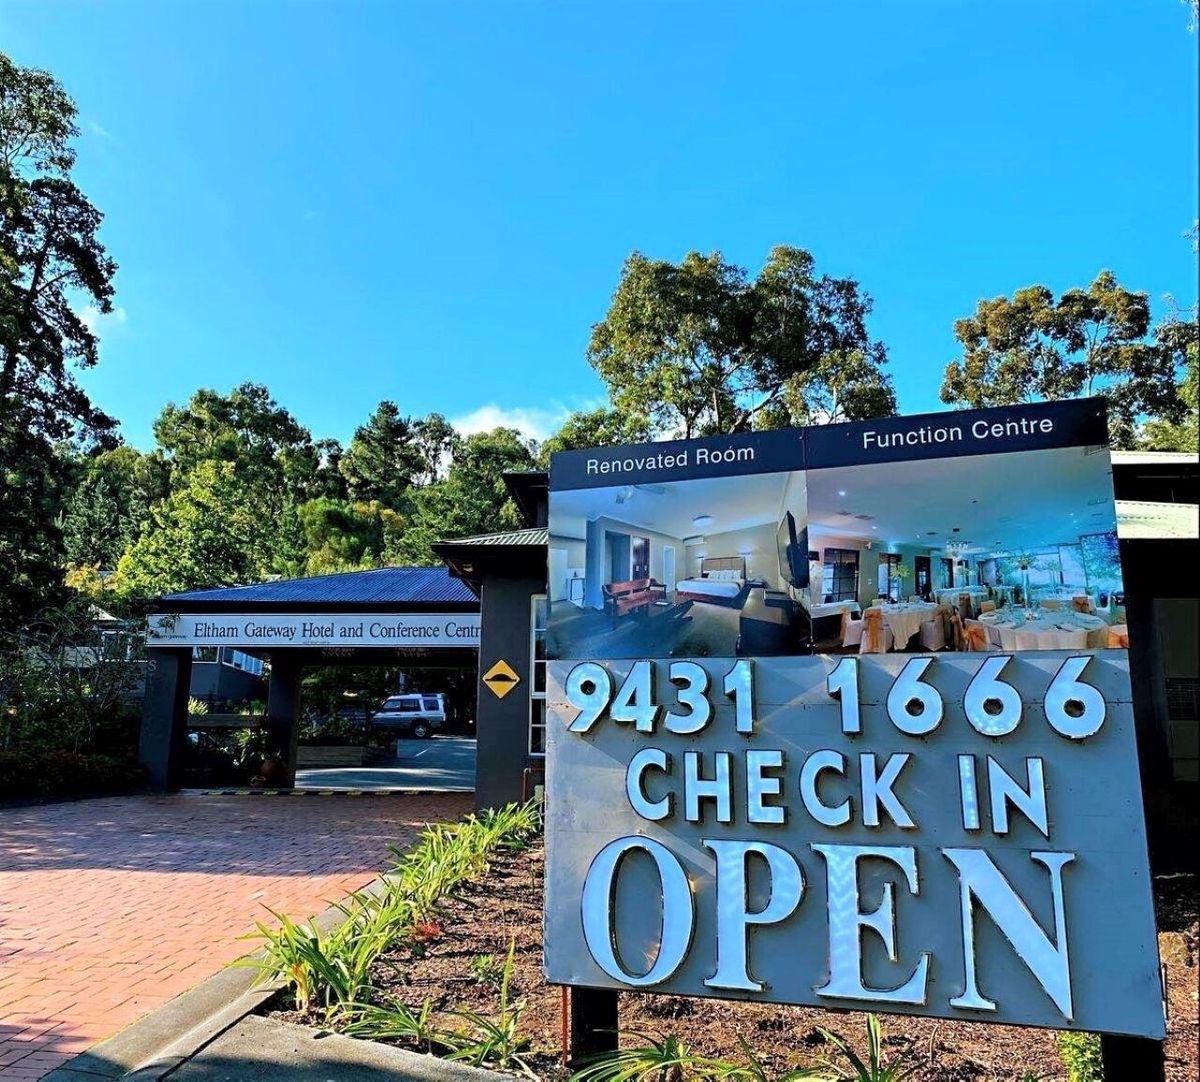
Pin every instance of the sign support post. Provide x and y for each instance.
(1133, 1057)
(593, 1023)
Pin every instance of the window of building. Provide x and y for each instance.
(205, 655)
(889, 581)
(840, 577)
(539, 611)
(247, 663)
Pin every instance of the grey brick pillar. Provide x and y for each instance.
(163, 739)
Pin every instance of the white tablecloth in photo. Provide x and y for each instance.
(905, 621)
(950, 593)
(1066, 631)
(833, 608)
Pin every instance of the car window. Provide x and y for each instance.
(431, 704)
(409, 706)
(393, 704)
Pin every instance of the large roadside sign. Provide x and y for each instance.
(842, 717)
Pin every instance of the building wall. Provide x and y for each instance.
(502, 724)
(573, 555)
(1163, 612)
(599, 537)
(756, 543)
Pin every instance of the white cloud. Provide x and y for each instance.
(100, 131)
(102, 323)
(533, 422)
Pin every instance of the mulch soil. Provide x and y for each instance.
(506, 907)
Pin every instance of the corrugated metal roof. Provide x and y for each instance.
(384, 585)
(539, 536)
(1141, 520)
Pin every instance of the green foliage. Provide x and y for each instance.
(340, 536)
(329, 972)
(274, 454)
(665, 1059)
(325, 970)
(67, 683)
(595, 428)
(36, 774)
(470, 499)
(487, 971)
(1094, 341)
(196, 708)
(876, 1067)
(383, 458)
(52, 264)
(697, 348)
(1080, 1055)
(110, 504)
(494, 1042)
(1162, 434)
(395, 1021)
(211, 531)
(31, 494)
(334, 731)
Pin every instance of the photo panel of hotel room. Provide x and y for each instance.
(1003, 553)
(711, 567)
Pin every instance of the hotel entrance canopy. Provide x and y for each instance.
(388, 616)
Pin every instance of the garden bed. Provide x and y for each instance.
(456, 961)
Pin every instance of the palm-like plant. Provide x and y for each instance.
(875, 1068)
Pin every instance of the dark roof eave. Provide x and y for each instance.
(472, 563)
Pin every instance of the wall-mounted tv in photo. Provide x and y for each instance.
(793, 552)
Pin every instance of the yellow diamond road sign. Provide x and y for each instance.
(501, 679)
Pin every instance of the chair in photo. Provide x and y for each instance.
(1082, 604)
(987, 606)
(975, 638)
(852, 630)
(933, 633)
(957, 639)
(1118, 637)
(876, 636)
(964, 606)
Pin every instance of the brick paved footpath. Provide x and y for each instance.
(109, 908)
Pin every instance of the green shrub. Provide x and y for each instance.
(330, 971)
(1080, 1055)
(37, 774)
(326, 970)
(875, 1068)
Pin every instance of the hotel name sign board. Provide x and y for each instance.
(950, 834)
(263, 630)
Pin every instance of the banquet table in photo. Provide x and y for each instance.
(1011, 630)
(905, 620)
(950, 593)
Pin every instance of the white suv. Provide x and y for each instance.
(418, 715)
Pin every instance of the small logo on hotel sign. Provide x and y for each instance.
(500, 679)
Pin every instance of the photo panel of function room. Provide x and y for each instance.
(711, 567)
(999, 552)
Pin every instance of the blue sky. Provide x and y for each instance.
(431, 202)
